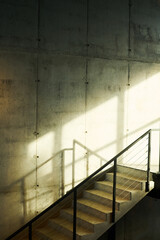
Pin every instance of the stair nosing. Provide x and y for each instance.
(96, 220)
(129, 177)
(44, 230)
(110, 196)
(107, 210)
(118, 186)
(69, 226)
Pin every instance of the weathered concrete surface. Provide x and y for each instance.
(18, 24)
(90, 89)
(145, 30)
(108, 28)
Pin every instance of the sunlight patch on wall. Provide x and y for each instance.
(45, 148)
(142, 112)
(102, 127)
(74, 129)
(143, 104)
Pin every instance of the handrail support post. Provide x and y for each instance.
(148, 163)
(74, 213)
(73, 164)
(30, 232)
(62, 171)
(114, 191)
(159, 151)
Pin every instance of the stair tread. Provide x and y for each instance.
(84, 216)
(33, 237)
(95, 205)
(81, 231)
(129, 177)
(119, 186)
(106, 195)
(52, 234)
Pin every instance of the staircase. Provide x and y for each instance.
(93, 206)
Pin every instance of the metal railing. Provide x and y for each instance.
(62, 191)
(88, 153)
(74, 190)
(135, 158)
(158, 130)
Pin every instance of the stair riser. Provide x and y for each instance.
(128, 183)
(91, 237)
(80, 222)
(61, 229)
(92, 211)
(67, 232)
(100, 199)
(42, 236)
(109, 189)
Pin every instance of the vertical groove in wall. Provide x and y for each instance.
(37, 97)
(129, 55)
(129, 28)
(86, 72)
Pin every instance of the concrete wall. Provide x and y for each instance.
(142, 222)
(79, 69)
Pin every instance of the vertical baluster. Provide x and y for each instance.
(30, 231)
(114, 190)
(73, 164)
(74, 213)
(87, 163)
(62, 171)
(148, 163)
(159, 150)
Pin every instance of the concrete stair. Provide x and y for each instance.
(94, 207)
(48, 233)
(83, 218)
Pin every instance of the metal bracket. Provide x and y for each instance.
(36, 133)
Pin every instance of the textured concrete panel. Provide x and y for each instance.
(105, 104)
(145, 29)
(81, 95)
(17, 110)
(18, 24)
(17, 124)
(63, 26)
(108, 28)
(61, 92)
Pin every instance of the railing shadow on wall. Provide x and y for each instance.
(145, 147)
(67, 159)
(70, 160)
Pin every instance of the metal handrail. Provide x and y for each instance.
(74, 191)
